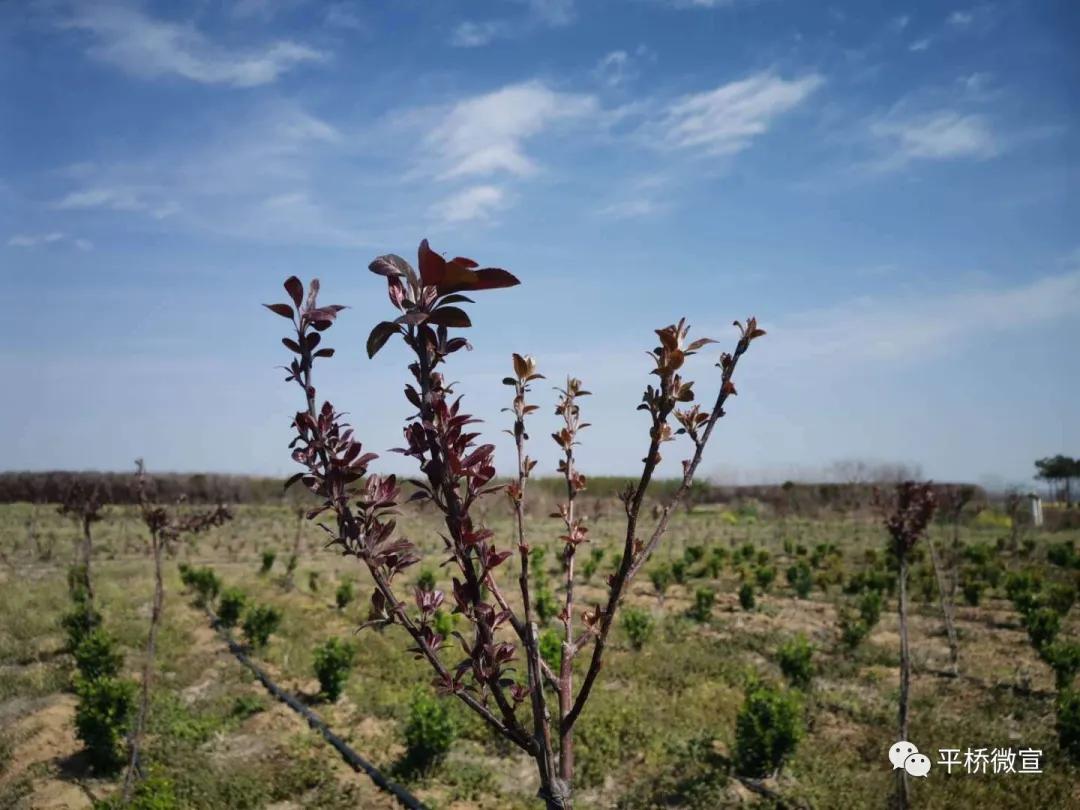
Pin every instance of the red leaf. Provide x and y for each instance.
(324, 353)
(432, 265)
(389, 265)
(284, 310)
(491, 278)
(292, 345)
(379, 335)
(295, 288)
(449, 316)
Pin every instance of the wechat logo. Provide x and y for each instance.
(905, 755)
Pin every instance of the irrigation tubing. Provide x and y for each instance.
(353, 759)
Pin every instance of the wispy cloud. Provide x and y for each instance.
(29, 241)
(474, 203)
(150, 48)
(919, 45)
(726, 120)
(539, 14)
(940, 135)
(619, 67)
(486, 134)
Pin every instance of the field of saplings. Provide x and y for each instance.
(754, 661)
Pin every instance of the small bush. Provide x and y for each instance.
(333, 661)
(1059, 597)
(313, 581)
(870, 608)
(429, 732)
(344, 595)
(545, 605)
(679, 571)
(1064, 658)
(97, 656)
(1068, 723)
(205, 584)
(746, 596)
(853, 628)
(78, 623)
(443, 623)
(794, 657)
(551, 648)
(800, 579)
(973, 589)
(764, 575)
(767, 730)
(231, 606)
(638, 625)
(259, 622)
(661, 578)
(426, 580)
(1063, 554)
(103, 718)
(1042, 625)
(268, 558)
(704, 599)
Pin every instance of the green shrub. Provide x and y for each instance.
(767, 730)
(973, 589)
(638, 625)
(545, 605)
(268, 558)
(704, 599)
(1042, 624)
(429, 732)
(693, 554)
(661, 578)
(678, 571)
(551, 648)
(205, 584)
(715, 562)
(443, 623)
(76, 583)
(746, 596)
(795, 658)
(313, 581)
(800, 579)
(231, 606)
(1068, 723)
(259, 622)
(333, 661)
(97, 656)
(853, 628)
(870, 608)
(1064, 658)
(1063, 554)
(345, 594)
(102, 719)
(589, 568)
(77, 623)
(426, 580)
(1059, 597)
(764, 575)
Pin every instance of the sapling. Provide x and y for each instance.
(456, 473)
(907, 514)
(83, 504)
(166, 528)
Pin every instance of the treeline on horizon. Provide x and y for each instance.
(206, 488)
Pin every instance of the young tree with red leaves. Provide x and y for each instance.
(907, 515)
(456, 473)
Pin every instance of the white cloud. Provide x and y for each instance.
(29, 241)
(486, 134)
(150, 48)
(919, 44)
(636, 208)
(906, 329)
(475, 203)
(725, 120)
(540, 14)
(961, 19)
(619, 67)
(116, 199)
(942, 135)
(899, 23)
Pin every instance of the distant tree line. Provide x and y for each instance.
(1058, 472)
(789, 498)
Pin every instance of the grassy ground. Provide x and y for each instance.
(660, 716)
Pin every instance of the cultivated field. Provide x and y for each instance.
(661, 728)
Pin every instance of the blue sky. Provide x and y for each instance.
(889, 187)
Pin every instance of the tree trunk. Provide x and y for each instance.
(86, 549)
(147, 674)
(945, 598)
(905, 679)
